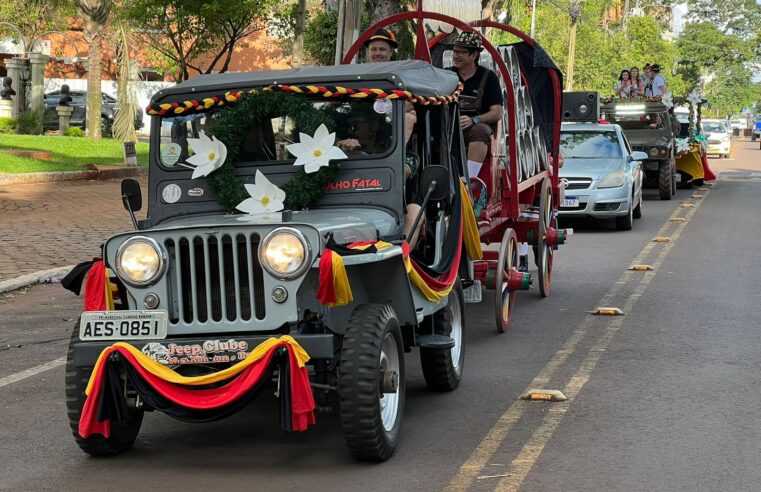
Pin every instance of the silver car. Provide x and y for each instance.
(604, 176)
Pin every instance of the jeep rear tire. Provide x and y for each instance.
(371, 351)
(665, 180)
(442, 369)
(122, 435)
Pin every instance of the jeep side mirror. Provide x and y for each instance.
(638, 155)
(438, 176)
(132, 198)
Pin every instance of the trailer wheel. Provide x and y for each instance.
(442, 369)
(544, 250)
(371, 382)
(122, 435)
(665, 171)
(504, 299)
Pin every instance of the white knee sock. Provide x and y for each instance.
(523, 249)
(473, 168)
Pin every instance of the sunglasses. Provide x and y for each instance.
(461, 52)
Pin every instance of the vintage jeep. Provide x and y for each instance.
(651, 129)
(200, 287)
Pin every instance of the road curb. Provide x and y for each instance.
(94, 173)
(50, 276)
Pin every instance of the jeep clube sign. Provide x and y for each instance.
(274, 254)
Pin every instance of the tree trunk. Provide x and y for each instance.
(94, 97)
(298, 42)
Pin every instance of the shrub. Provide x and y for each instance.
(74, 131)
(29, 123)
(8, 125)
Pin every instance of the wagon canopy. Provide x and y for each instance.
(414, 76)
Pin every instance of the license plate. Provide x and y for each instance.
(569, 201)
(473, 293)
(123, 325)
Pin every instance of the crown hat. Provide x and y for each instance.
(381, 34)
(469, 40)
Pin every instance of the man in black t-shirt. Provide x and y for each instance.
(480, 101)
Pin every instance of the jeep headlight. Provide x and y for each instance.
(284, 253)
(140, 261)
(612, 180)
(654, 152)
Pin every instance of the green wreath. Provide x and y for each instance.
(230, 128)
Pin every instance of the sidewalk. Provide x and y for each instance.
(45, 226)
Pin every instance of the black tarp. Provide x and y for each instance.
(536, 65)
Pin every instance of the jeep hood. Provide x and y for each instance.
(592, 168)
(347, 225)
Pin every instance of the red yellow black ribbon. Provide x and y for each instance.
(196, 105)
(164, 389)
(98, 295)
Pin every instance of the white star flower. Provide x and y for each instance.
(208, 155)
(682, 145)
(317, 152)
(265, 197)
(694, 97)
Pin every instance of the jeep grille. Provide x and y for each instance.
(215, 278)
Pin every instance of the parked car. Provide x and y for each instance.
(756, 128)
(604, 175)
(719, 138)
(79, 115)
(739, 124)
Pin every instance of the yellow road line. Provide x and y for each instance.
(524, 462)
(479, 458)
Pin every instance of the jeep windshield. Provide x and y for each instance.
(363, 129)
(589, 145)
(638, 120)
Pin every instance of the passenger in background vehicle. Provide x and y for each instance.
(480, 100)
(624, 86)
(638, 81)
(381, 46)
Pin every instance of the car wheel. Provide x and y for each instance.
(665, 171)
(637, 213)
(372, 360)
(123, 434)
(442, 369)
(624, 223)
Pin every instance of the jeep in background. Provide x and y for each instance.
(651, 129)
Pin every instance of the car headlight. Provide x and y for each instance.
(613, 180)
(284, 253)
(654, 152)
(140, 261)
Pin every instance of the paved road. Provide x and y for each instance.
(662, 398)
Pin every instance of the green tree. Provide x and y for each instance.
(738, 17)
(197, 36)
(33, 18)
(94, 13)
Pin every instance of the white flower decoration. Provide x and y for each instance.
(694, 97)
(682, 145)
(667, 100)
(265, 197)
(317, 152)
(209, 155)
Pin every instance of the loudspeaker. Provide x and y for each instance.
(581, 106)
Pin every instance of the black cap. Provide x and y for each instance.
(383, 35)
(655, 67)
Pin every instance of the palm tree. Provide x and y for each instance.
(94, 13)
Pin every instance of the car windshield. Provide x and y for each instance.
(713, 127)
(589, 145)
(637, 120)
(362, 129)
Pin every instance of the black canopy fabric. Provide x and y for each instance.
(415, 76)
(536, 65)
